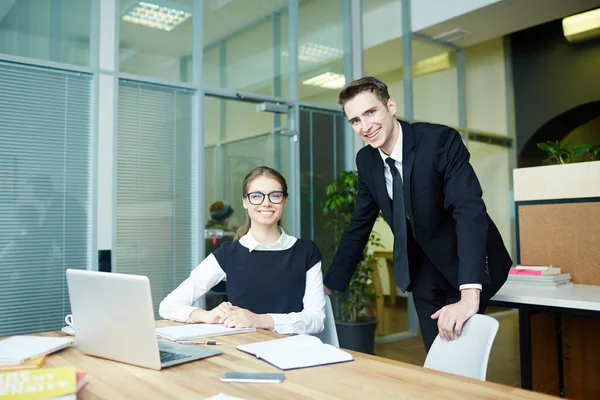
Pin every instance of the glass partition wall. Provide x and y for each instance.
(181, 110)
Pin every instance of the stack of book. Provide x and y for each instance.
(545, 276)
(62, 383)
(22, 376)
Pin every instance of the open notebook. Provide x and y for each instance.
(299, 351)
(197, 331)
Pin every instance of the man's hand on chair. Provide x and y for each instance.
(452, 317)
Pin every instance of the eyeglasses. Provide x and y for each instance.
(257, 198)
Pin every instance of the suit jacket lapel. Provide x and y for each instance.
(408, 159)
(383, 199)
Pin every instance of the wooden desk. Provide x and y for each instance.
(574, 296)
(569, 299)
(368, 377)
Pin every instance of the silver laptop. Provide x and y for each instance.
(114, 319)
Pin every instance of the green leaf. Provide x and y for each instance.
(564, 147)
(549, 147)
(595, 152)
(581, 148)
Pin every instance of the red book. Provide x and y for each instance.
(535, 272)
(81, 382)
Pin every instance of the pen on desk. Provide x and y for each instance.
(208, 342)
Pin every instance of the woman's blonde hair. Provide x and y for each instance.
(252, 175)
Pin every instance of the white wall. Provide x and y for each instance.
(435, 95)
(492, 166)
(425, 13)
(486, 87)
(382, 21)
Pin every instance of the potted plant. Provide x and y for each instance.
(562, 154)
(355, 327)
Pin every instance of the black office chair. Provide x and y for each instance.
(213, 239)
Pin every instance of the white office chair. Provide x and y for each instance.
(467, 354)
(329, 333)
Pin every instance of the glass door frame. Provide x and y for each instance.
(269, 104)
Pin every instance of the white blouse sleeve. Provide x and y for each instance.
(177, 306)
(311, 319)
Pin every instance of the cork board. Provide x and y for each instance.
(565, 235)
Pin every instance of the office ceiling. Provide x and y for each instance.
(225, 17)
(508, 16)
(141, 46)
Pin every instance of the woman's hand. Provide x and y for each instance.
(241, 318)
(214, 316)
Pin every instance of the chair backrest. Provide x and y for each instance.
(467, 354)
(329, 333)
(213, 238)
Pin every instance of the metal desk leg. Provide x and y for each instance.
(525, 348)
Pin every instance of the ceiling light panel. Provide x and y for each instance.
(155, 16)
(327, 80)
(582, 26)
(317, 53)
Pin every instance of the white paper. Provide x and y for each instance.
(280, 344)
(223, 396)
(17, 349)
(299, 351)
(196, 331)
(302, 357)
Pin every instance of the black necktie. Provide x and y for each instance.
(401, 275)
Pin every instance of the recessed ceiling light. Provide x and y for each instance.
(154, 16)
(327, 80)
(452, 35)
(317, 53)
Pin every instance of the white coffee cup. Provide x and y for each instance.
(69, 319)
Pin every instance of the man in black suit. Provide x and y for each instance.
(447, 250)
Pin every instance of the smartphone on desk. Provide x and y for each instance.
(253, 377)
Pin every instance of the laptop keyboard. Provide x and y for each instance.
(168, 356)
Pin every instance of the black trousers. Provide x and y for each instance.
(431, 291)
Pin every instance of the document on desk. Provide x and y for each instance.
(18, 349)
(223, 396)
(299, 351)
(197, 331)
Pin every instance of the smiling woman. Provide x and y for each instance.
(274, 280)
(260, 184)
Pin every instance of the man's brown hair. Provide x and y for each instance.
(364, 84)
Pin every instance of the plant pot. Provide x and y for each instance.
(357, 336)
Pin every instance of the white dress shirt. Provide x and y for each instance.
(177, 305)
(389, 183)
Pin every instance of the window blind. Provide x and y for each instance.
(45, 182)
(155, 185)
